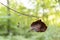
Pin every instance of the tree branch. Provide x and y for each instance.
(19, 12)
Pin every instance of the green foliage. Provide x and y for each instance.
(20, 23)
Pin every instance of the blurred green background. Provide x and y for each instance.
(16, 17)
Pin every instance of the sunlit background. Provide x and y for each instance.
(23, 13)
